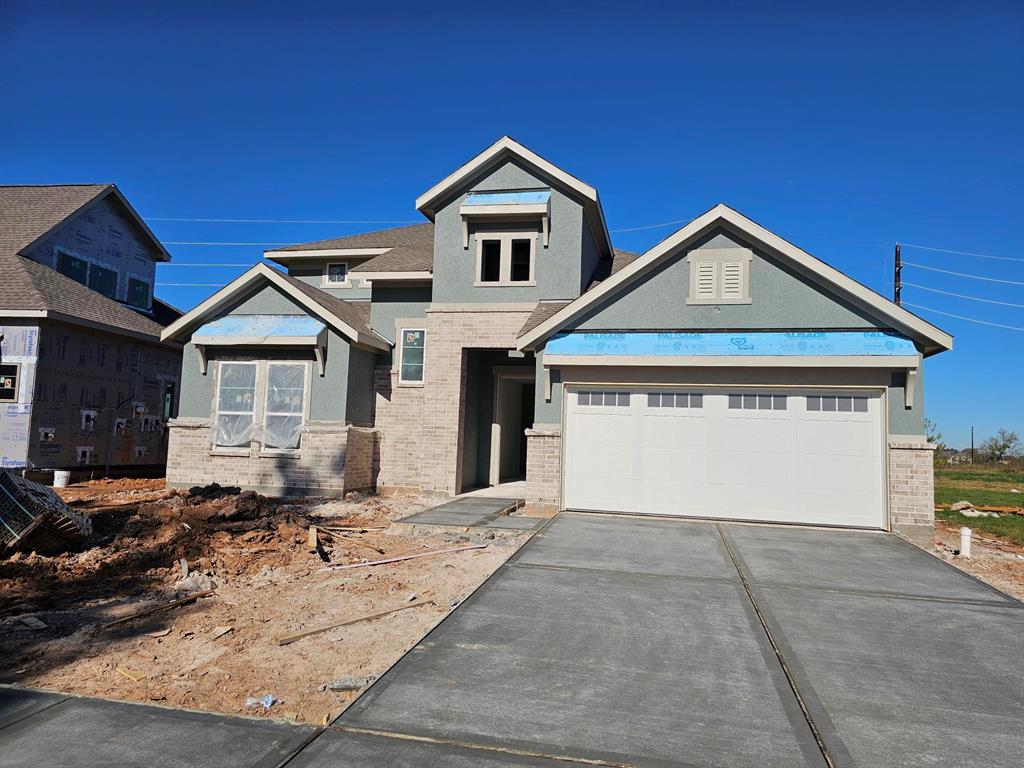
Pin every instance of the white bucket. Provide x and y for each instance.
(61, 478)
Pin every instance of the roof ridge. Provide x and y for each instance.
(72, 184)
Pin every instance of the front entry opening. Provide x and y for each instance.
(499, 408)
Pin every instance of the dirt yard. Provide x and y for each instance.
(993, 560)
(219, 651)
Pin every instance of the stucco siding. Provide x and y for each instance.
(394, 303)
(558, 274)
(781, 299)
(312, 273)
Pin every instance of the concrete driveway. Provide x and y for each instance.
(625, 641)
(664, 642)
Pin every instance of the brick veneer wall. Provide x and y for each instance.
(544, 468)
(912, 488)
(451, 330)
(399, 416)
(333, 459)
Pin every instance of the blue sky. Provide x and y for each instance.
(842, 127)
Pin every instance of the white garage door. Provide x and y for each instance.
(785, 456)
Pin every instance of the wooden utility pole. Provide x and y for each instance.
(897, 278)
(972, 445)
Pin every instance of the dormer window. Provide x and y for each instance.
(507, 205)
(335, 275)
(719, 276)
(506, 258)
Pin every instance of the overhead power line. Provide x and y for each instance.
(961, 317)
(191, 285)
(285, 221)
(182, 242)
(960, 253)
(187, 264)
(963, 296)
(961, 274)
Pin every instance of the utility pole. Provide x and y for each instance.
(972, 445)
(897, 277)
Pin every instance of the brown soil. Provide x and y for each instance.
(218, 651)
(994, 561)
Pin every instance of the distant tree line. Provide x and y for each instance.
(1005, 444)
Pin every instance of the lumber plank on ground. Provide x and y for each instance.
(158, 608)
(428, 553)
(288, 639)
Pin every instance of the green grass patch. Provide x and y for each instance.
(979, 497)
(1008, 527)
(988, 473)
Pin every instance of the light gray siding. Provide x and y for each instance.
(558, 267)
(103, 234)
(781, 299)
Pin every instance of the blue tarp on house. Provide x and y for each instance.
(824, 343)
(260, 326)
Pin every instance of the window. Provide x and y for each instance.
(506, 258)
(286, 383)
(838, 403)
(84, 453)
(75, 268)
(719, 276)
(675, 400)
(10, 374)
(336, 274)
(47, 434)
(138, 293)
(410, 368)
(749, 402)
(103, 280)
(616, 399)
(236, 400)
(88, 421)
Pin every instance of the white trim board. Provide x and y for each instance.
(325, 253)
(722, 215)
(259, 272)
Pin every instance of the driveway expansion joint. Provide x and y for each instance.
(621, 572)
(1009, 603)
(825, 734)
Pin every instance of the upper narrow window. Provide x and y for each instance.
(336, 274)
(138, 293)
(506, 259)
(286, 384)
(490, 261)
(236, 401)
(719, 276)
(410, 367)
(9, 373)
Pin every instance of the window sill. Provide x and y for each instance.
(280, 453)
(715, 302)
(517, 284)
(346, 284)
(229, 451)
(410, 384)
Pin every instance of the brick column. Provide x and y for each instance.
(544, 469)
(912, 488)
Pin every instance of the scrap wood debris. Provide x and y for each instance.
(413, 556)
(152, 546)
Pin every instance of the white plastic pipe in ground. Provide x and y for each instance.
(965, 542)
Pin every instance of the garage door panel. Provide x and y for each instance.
(785, 465)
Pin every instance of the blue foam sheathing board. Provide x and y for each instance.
(831, 343)
(261, 325)
(532, 197)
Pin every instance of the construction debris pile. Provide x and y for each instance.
(34, 518)
(212, 597)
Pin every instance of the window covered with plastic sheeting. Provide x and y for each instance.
(236, 401)
(286, 384)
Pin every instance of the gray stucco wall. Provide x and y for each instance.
(391, 303)
(329, 394)
(105, 235)
(781, 299)
(312, 273)
(589, 257)
(359, 402)
(558, 269)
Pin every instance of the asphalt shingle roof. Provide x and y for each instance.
(27, 212)
(356, 314)
(411, 248)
